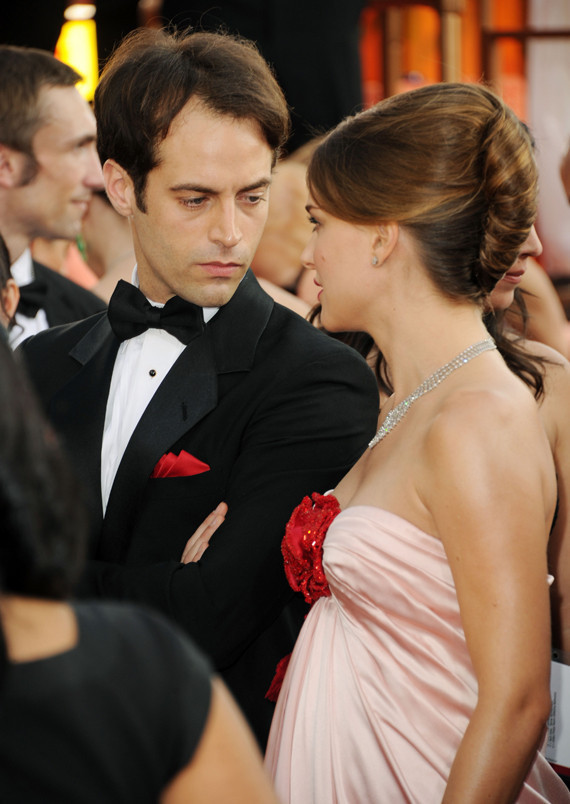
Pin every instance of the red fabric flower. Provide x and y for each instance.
(302, 545)
(275, 687)
(302, 549)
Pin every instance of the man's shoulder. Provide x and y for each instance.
(49, 357)
(295, 332)
(82, 299)
(62, 338)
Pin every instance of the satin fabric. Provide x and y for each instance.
(380, 687)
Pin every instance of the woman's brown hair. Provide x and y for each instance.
(453, 165)
(450, 163)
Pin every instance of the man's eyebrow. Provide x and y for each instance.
(197, 188)
(310, 207)
(84, 139)
(258, 185)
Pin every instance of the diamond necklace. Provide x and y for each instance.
(396, 415)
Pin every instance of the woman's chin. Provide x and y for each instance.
(331, 324)
(501, 299)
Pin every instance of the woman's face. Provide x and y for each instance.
(341, 255)
(503, 293)
(9, 298)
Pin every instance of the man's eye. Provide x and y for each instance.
(193, 202)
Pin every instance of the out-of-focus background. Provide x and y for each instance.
(333, 57)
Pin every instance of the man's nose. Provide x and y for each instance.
(94, 175)
(225, 229)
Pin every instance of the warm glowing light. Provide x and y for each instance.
(77, 46)
(80, 11)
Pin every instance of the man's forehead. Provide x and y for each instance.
(64, 110)
(57, 104)
(197, 114)
(202, 147)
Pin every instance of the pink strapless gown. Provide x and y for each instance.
(380, 687)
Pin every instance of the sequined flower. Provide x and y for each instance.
(275, 687)
(302, 545)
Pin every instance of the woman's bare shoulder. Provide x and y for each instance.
(500, 418)
(547, 353)
(556, 372)
(486, 405)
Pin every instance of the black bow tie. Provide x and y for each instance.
(130, 314)
(32, 298)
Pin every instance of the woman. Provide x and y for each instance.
(422, 671)
(98, 702)
(549, 380)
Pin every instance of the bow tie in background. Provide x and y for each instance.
(32, 298)
(130, 314)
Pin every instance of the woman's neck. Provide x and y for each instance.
(417, 342)
(35, 628)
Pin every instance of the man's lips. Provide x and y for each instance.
(220, 268)
(82, 203)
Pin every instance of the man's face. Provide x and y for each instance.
(54, 200)
(206, 206)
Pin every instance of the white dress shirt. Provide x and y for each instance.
(23, 274)
(141, 365)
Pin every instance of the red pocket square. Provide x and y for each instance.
(182, 465)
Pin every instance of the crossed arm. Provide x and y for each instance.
(303, 438)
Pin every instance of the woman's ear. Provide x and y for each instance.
(119, 187)
(385, 241)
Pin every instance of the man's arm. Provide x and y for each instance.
(303, 437)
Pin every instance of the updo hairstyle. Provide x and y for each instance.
(450, 163)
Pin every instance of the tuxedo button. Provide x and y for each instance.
(152, 373)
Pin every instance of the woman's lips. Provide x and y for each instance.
(514, 277)
(320, 289)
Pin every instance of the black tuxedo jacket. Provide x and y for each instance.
(275, 408)
(64, 301)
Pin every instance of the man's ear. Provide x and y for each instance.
(119, 187)
(9, 297)
(12, 164)
(385, 241)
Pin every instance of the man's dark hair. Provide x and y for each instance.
(153, 74)
(25, 72)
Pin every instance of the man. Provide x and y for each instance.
(49, 168)
(254, 407)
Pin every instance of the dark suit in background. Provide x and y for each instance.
(275, 409)
(64, 301)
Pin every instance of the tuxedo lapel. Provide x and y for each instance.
(187, 394)
(86, 393)
(238, 326)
